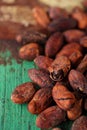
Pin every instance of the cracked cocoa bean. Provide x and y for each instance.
(59, 68)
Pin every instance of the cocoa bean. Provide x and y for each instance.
(50, 117)
(23, 93)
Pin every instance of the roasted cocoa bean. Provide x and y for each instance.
(83, 42)
(31, 37)
(78, 81)
(76, 58)
(23, 93)
(29, 51)
(43, 62)
(63, 97)
(62, 24)
(59, 68)
(56, 12)
(82, 67)
(80, 123)
(41, 100)
(50, 117)
(73, 35)
(70, 48)
(53, 44)
(41, 78)
(75, 111)
(41, 16)
(81, 17)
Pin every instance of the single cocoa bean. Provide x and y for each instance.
(43, 62)
(73, 35)
(41, 78)
(76, 58)
(50, 117)
(53, 44)
(41, 16)
(29, 51)
(62, 24)
(78, 81)
(23, 93)
(80, 123)
(82, 67)
(81, 17)
(31, 37)
(41, 100)
(70, 48)
(56, 12)
(63, 97)
(75, 111)
(83, 42)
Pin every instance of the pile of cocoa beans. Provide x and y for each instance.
(59, 51)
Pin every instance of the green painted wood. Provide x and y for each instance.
(13, 116)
